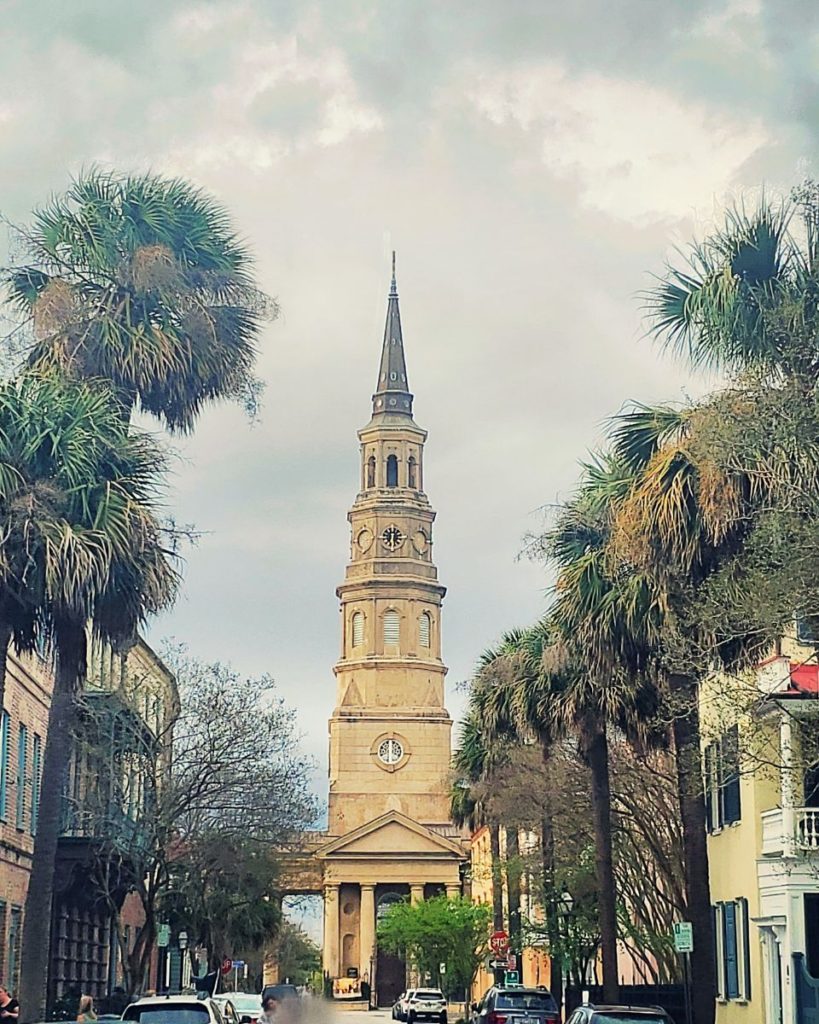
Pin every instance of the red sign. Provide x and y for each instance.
(512, 962)
(227, 965)
(499, 942)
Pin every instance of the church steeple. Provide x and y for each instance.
(392, 394)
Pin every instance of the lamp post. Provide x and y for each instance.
(565, 905)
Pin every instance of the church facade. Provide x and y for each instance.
(389, 835)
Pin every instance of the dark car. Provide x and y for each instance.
(596, 1014)
(516, 1005)
(281, 993)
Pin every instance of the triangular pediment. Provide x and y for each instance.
(391, 834)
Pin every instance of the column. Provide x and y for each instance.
(786, 783)
(453, 891)
(416, 893)
(366, 932)
(330, 950)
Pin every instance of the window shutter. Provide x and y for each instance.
(36, 782)
(731, 810)
(22, 768)
(424, 629)
(392, 627)
(708, 784)
(729, 931)
(358, 629)
(719, 949)
(4, 764)
(745, 934)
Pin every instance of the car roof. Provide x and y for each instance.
(169, 999)
(613, 1008)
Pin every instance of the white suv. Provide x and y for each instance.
(174, 1010)
(426, 1004)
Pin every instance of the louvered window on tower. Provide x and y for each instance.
(358, 629)
(392, 627)
(425, 628)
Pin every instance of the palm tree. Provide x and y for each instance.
(141, 281)
(80, 543)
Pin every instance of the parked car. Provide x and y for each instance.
(248, 1006)
(174, 1010)
(426, 1004)
(514, 1004)
(399, 1010)
(596, 1014)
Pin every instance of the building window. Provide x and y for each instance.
(425, 629)
(371, 471)
(392, 627)
(392, 471)
(412, 473)
(22, 781)
(722, 778)
(15, 939)
(36, 780)
(4, 764)
(732, 934)
(358, 629)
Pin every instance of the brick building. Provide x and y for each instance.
(22, 738)
(125, 699)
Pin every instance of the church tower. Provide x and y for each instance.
(390, 731)
(389, 837)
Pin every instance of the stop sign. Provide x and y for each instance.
(499, 942)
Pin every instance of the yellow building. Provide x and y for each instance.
(389, 834)
(761, 750)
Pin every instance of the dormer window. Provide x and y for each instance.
(392, 471)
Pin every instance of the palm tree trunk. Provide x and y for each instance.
(684, 690)
(497, 877)
(56, 758)
(547, 855)
(597, 755)
(513, 876)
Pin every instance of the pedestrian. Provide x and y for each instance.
(270, 1011)
(86, 1011)
(9, 1007)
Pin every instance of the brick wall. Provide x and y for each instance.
(27, 699)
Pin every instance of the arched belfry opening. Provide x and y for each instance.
(392, 471)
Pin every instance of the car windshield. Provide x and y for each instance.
(625, 1017)
(168, 1013)
(429, 993)
(242, 1002)
(525, 1001)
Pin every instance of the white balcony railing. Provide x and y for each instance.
(801, 837)
(806, 821)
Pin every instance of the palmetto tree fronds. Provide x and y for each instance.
(140, 280)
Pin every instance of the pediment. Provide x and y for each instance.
(393, 834)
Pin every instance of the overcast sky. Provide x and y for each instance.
(531, 162)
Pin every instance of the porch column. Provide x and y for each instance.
(330, 949)
(366, 934)
(786, 783)
(416, 893)
(453, 891)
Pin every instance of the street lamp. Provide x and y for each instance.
(565, 905)
(183, 941)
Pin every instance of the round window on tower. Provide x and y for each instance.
(390, 751)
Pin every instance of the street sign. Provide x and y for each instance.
(684, 937)
(512, 978)
(499, 942)
(163, 936)
(227, 965)
(442, 968)
(237, 965)
(512, 962)
(499, 965)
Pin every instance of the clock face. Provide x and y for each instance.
(364, 539)
(390, 751)
(392, 537)
(420, 542)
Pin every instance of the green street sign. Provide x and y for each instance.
(163, 936)
(684, 937)
(511, 978)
